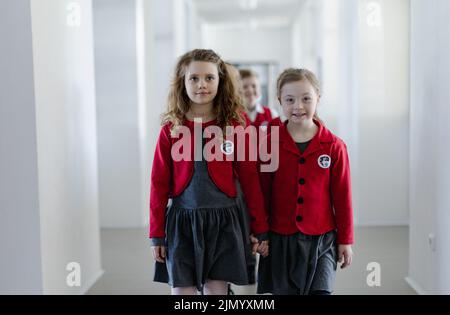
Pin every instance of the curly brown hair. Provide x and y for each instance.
(227, 105)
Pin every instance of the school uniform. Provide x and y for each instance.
(309, 200)
(202, 229)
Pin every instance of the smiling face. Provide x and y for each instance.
(299, 101)
(252, 91)
(201, 82)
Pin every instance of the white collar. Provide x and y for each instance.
(258, 109)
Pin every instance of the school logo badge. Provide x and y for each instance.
(227, 147)
(324, 161)
(264, 125)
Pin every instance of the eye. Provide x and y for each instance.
(193, 79)
(307, 99)
(210, 78)
(289, 100)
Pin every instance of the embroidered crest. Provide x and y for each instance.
(227, 147)
(264, 125)
(324, 161)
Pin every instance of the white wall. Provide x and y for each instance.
(159, 46)
(147, 120)
(20, 262)
(119, 123)
(365, 101)
(194, 27)
(261, 44)
(186, 26)
(307, 30)
(252, 45)
(66, 142)
(383, 112)
(136, 43)
(332, 53)
(429, 270)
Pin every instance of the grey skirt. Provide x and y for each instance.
(244, 218)
(206, 236)
(298, 264)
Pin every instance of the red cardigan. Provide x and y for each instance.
(169, 178)
(262, 119)
(310, 192)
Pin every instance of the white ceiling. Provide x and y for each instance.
(269, 13)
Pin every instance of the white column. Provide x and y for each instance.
(136, 46)
(383, 112)
(157, 57)
(49, 206)
(337, 47)
(67, 145)
(429, 260)
(20, 263)
(329, 47)
(119, 114)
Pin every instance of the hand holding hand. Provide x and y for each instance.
(261, 247)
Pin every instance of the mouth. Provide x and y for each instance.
(299, 115)
(202, 93)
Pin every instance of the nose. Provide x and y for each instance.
(202, 83)
(298, 104)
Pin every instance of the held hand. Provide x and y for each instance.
(159, 253)
(255, 244)
(345, 254)
(261, 247)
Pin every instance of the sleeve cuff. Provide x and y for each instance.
(157, 241)
(345, 241)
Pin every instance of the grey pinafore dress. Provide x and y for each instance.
(298, 263)
(206, 236)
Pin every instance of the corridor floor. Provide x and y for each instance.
(128, 264)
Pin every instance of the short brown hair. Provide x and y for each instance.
(247, 73)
